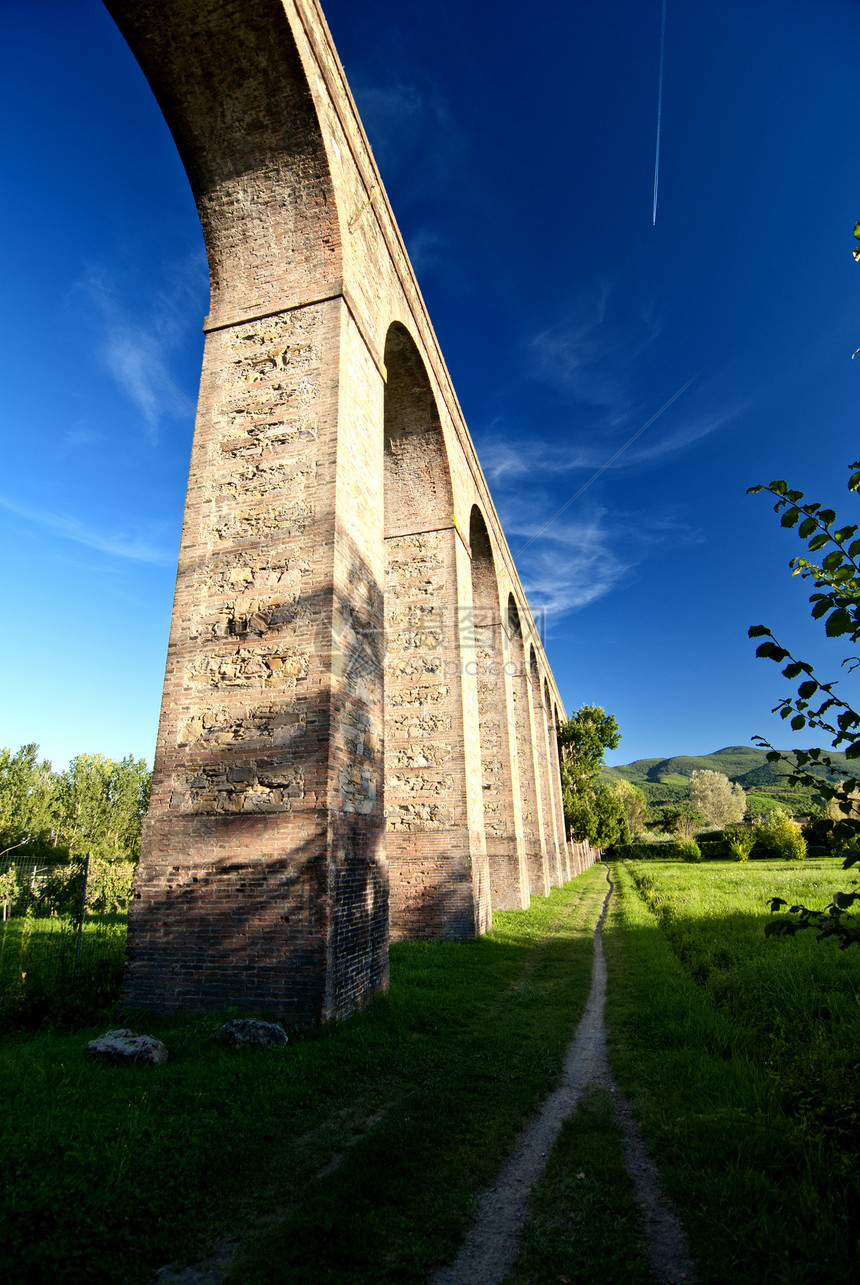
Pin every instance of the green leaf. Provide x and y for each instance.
(792, 670)
(772, 651)
(818, 542)
(778, 487)
(821, 608)
(758, 631)
(805, 690)
(807, 526)
(827, 516)
(838, 622)
(789, 518)
(798, 722)
(833, 560)
(857, 231)
(854, 482)
(854, 549)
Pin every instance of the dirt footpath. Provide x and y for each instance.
(491, 1246)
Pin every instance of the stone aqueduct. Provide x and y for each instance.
(358, 722)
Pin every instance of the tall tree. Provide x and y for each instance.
(27, 791)
(100, 805)
(591, 812)
(719, 800)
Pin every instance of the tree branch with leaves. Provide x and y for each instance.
(834, 570)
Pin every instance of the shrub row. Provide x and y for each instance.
(665, 850)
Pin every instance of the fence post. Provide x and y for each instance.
(81, 921)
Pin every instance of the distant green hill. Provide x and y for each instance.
(745, 764)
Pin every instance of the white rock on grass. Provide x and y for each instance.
(127, 1046)
(246, 1030)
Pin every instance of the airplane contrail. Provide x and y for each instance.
(605, 466)
(659, 115)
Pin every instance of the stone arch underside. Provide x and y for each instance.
(236, 99)
(322, 730)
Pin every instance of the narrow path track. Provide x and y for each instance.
(491, 1246)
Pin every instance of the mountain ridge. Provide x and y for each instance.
(745, 764)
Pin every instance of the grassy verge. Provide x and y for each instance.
(740, 1055)
(352, 1155)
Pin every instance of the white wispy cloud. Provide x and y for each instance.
(396, 114)
(577, 561)
(591, 357)
(418, 145)
(136, 347)
(507, 458)
(426, 250)
(119, 544)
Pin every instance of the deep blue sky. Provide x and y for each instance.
(517, 146)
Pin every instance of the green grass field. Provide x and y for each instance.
(354, 1155)
(418, 1099)
(740, 1054)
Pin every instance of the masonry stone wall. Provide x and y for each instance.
(352, 742)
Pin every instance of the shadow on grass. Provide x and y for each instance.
(420, 1096)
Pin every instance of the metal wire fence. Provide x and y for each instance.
(54, 963)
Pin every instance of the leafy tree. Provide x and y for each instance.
(682, 819)
(635, 806)
(592, 812)
(781, 834)
(100, 805)
(834, 571)
(719, 801)
(833, 810)
(97, 805)
(27, 789)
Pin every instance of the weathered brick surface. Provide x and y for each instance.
(351, 737)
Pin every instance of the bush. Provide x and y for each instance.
(714, 849)
(782, 835)
(740, 841)
(664, 850)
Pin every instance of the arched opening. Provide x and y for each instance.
(237, 102)
(535, 852)
(502, 821)
(436, 888)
